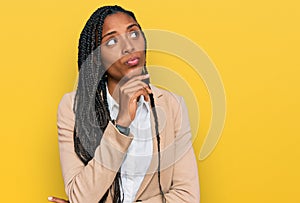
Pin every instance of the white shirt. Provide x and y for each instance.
(139, 153)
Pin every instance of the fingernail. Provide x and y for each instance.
(146, 75)
(50, 198)
(149, 91)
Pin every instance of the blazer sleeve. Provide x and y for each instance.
(88, 183)
(185, 181)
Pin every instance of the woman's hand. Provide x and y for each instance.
(129, 93)
(57, 200)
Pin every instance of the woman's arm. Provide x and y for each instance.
(88, 183)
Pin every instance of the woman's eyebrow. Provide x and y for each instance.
(132, 25)
(110, 33)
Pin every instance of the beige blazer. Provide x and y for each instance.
(179, 174)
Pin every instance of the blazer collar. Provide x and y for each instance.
(157, 93)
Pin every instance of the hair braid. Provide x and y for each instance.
(158, 143)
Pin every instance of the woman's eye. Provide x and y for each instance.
(134, 34)
(111, 42)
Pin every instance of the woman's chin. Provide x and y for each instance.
(134, 71)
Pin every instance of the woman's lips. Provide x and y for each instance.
(132, 61)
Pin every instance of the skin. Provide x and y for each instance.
(57, 200)
(122, 41)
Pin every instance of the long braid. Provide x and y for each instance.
(89, 50)
(158, 143)
(86, 67)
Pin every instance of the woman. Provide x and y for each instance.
(120, 138)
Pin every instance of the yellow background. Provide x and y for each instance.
(254, 44)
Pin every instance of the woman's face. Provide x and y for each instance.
(122, 47)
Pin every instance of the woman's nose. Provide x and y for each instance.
(128, 46)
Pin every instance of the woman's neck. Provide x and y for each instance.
(113, 88)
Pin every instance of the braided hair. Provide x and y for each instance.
(90, 107)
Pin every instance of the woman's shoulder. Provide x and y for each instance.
(67, 99)
(65, 107)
